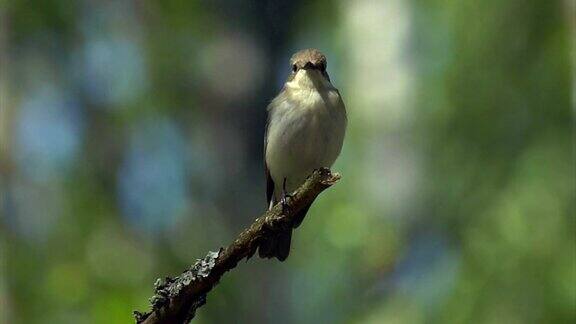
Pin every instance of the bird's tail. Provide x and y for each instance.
(278, 245)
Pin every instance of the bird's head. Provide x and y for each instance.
(309, 69)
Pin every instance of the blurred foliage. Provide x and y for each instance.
(131, 144)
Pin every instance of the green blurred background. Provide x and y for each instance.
(131, 144)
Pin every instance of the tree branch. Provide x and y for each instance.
(176, 299)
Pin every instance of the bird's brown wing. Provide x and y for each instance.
(269, 181)
(277, 244)
(269, 185)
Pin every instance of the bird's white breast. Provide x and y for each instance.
(306, 131)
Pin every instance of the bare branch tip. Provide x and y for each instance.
(331, 178)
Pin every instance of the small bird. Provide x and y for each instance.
(305, 131)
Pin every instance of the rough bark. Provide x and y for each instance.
(176, 299)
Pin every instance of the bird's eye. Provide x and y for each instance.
(294, 68)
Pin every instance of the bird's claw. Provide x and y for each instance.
(284, 201)
(285, 196)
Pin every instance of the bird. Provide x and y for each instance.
(305, 131)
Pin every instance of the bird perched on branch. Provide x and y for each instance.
(304, 132)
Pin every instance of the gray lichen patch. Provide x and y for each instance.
(202, 267)
(170, 287)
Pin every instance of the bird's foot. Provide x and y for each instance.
(285, 196)
(284, 201)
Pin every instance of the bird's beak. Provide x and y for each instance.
(309, 66)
